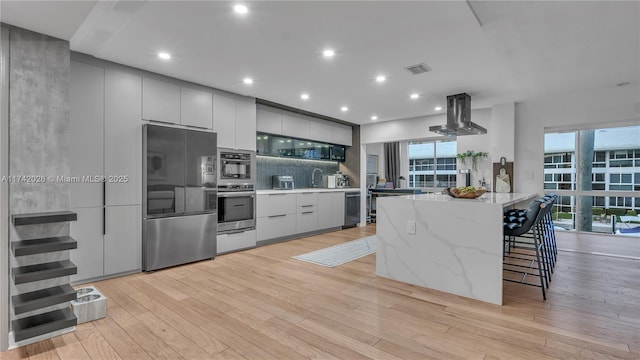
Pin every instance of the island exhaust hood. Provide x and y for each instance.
(458, 118)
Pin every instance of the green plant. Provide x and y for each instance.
(632, 213)
(598, 211)
(474, 156)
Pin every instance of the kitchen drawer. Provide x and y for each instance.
(271, 227)
(275, 204)
(306, 221)
(307, 198)
(236, 241)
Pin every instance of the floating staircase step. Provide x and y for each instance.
(36, 325)
(44, 245)
(25, 274)
(42, 298)
(43, 218)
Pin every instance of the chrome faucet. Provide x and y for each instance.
(313, 176)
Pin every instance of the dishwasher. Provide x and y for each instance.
(351, 209)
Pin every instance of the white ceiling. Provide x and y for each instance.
(512, 51)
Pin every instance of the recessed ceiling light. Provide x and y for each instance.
(374, 118)
(415, 96)
(344, 108)
(328, 53)
(247, 80)
(164, 55)
(381, 78)
(437, 108)
(240, 9)
(304, 96)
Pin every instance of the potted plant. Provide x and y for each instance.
(474, 156)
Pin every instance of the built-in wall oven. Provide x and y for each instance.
(236, 207)
(236, 166)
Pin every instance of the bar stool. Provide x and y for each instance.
(524, 239)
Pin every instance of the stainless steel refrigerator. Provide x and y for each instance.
(179, 196)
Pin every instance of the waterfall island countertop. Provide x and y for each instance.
(443, 243)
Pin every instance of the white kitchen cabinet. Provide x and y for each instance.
(275, 204)
(89, 255)
(268, 121)
(296, 126)
(306, 215)
(160, 100)
(321, 130)
(275, 226)
(224, 120)
(106, 140)
(123, 239)
(235, 241)
(123, 137)
(330, 209)
(342, 134)
(87, 135)
(196, 107)
(245, 123)
(306, 221)
(306, 199)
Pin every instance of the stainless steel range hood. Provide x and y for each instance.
(458, 118)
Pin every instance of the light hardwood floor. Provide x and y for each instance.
(261, 304)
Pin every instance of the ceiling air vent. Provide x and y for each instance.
(418, 69)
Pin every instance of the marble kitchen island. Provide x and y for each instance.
(442, 243)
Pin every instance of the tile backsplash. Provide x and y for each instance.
(300, 169)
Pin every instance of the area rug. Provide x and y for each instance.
(341, 253)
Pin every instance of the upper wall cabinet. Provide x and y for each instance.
(160, 101)
(169, 102)
(245, 123)
(342, 134)
(196, 107)
(295, 126)
(321, 130)
(234, 120)
(280, 122)
(269, 121)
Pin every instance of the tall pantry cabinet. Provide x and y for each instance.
(106, 144)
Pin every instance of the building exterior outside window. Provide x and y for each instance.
(614, 188)
(432, 165)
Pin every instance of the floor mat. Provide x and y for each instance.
(341, 253)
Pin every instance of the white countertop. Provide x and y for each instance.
(504, 199)
(306, 190)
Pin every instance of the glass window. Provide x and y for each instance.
(432, 164)
(612, 158)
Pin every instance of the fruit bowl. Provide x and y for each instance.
(456, 193)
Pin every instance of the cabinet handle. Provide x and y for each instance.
(305, 206)
(276, 194)
(277, 216)
(306, 193)
(307, 212)
(235, 232)
(104, 208)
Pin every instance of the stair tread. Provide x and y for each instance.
(40, 324)
(42, 298)
(43, 217)
(43, 245)
(25, 274)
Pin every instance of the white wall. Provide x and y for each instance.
(499, 135)
(613, 106)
